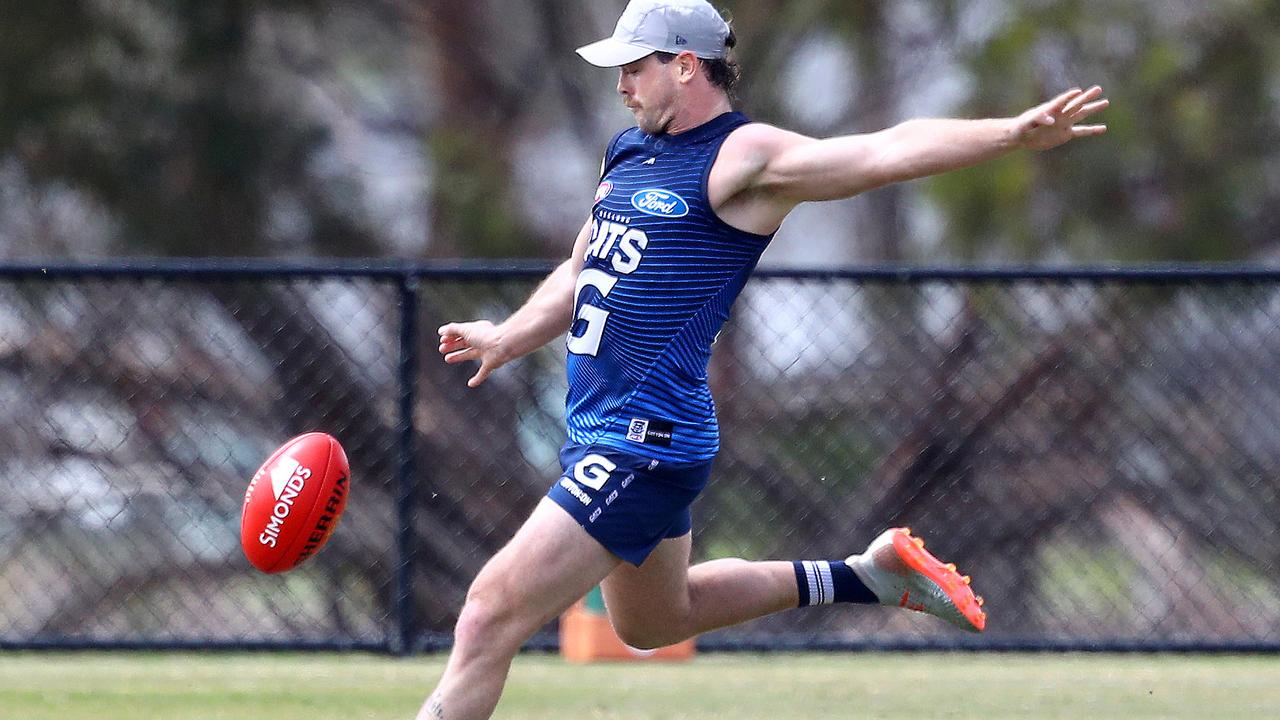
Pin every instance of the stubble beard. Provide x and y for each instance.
(651, 126)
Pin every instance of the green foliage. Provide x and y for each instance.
(1182, 173)
(472, 203)
(158, 111)
(187, 121)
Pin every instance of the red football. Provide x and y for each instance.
(293, 502)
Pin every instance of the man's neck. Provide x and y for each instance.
(699, 111)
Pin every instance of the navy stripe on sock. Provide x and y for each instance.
(849, 587)
(802, 583)
(822, 582)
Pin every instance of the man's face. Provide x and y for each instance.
(649, 88)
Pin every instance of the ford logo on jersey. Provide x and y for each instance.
(663, 203)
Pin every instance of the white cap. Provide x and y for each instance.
(671, 26)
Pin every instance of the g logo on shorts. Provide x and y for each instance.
(628, 503)
(593, 471)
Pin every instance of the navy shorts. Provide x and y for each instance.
(628, 503)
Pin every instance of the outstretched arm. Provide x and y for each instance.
(546, 315)
(772, 170)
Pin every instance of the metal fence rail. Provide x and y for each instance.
(1098, 447)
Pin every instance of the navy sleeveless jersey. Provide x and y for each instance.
(660, 275)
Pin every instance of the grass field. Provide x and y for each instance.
(137, 686)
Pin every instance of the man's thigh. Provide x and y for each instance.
(628, 502)
(655, 592)
(549, 563)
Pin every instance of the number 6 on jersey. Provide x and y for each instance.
(587, 340)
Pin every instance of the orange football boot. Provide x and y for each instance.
(901, 573)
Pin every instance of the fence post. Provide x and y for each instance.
(401, 641)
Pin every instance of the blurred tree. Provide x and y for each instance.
(232, 128)
(187, 120)
(1187, 171)
(471, 146)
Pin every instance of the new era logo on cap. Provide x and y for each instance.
(649, 26)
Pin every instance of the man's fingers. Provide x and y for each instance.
(1061, 101)
(467, 341)
(1056, 105)
(480, 376)
(1087, 130)
(1080, 99)
(1089, 109)
(450, 344)
(463, 355)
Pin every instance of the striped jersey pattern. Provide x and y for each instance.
(661, 273)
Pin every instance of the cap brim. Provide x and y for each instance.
(609, 53)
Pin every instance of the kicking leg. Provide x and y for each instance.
(664, 601)
(550, 563)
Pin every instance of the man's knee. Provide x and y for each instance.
(490, 619)
(648, 633)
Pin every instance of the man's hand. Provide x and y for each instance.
(1055, 122)
(479, 340)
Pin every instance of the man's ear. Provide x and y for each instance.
(688, 66)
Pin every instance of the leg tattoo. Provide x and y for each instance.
(435, 707)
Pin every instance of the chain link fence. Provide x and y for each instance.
(1100, 450)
